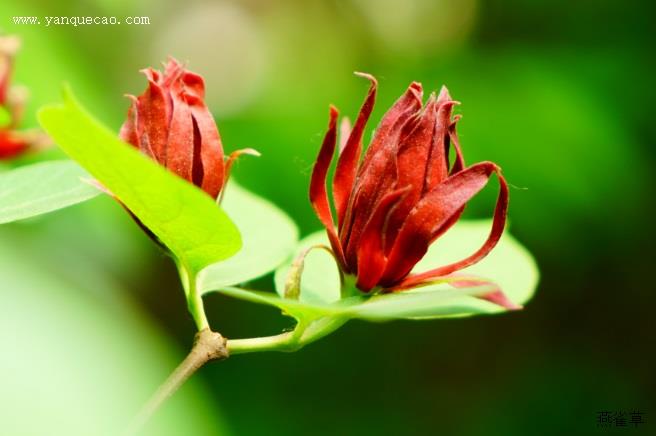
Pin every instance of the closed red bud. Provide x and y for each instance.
(405, 193)
(14, 142)
(171, 123)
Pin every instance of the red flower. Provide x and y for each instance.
(12, 102)
(171, 124)
(403, 195)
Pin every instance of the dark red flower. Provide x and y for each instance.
(12, 102)
(403, 195)
(171, 124)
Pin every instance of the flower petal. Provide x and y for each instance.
(344, 132)
(371, 255)
(495, 296)
(349, 157)
(209, 167)
(432, 213)
(183, 137)
(437, 169)
(318, 193)
(377, 174)
(413, 160)
(155, 111)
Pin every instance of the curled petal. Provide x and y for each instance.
(234, 156)
(347, 165)
(318, 193)
(430, 215)
(228, 166)
(406, 106)
(371, 255)
(377, 174)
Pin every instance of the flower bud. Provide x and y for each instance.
(171, 124)
(13, 142)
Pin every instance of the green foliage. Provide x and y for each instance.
(269, 237)
(184, 218)
(41, 188)
(509, 266)
(80, 359)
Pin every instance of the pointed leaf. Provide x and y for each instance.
(269, 239)
(41, 188)
(509, 264)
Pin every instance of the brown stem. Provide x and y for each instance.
(208, 346)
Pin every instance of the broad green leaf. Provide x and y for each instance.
(269, 238)
(41, 188)
(424, 304)
(182, 216)
(416, 304)
(80, 358)
(509, 265)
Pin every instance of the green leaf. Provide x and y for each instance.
(416, 304)
(269, 238)
(424, 304)
(509, 265)
(182, 216)
(79, 326)
(294, 308)
(41, 188)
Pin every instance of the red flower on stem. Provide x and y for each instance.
(171, 124)
(403, 195)
(12, 103)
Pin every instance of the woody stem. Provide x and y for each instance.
(208, 346)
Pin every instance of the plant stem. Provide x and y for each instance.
(281, 342)
(208, 346)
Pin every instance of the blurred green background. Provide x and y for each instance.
(558, 93)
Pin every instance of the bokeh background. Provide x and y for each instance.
(559, 93)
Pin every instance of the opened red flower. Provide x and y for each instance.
(170, 123)
(12, 102)
(403, 195)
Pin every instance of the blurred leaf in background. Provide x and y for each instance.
(77, 361)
